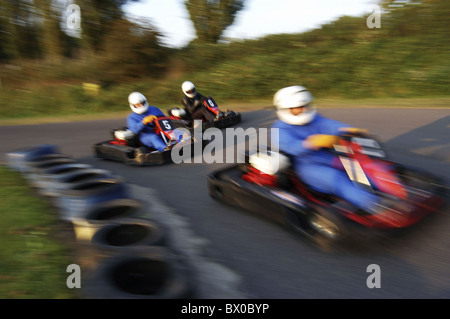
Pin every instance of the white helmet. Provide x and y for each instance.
(291, 97)
(188, 89)
(138, 98)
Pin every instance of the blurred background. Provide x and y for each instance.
(86, 56)
(63, 57)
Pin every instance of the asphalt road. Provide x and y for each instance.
(238, 255)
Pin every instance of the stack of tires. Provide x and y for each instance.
(122, 252)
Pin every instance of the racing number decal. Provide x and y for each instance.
(210, 101)
(167, 125)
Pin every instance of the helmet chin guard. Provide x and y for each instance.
(139, 110)
(307, 116)
(293, 97)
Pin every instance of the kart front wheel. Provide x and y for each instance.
(327, 227)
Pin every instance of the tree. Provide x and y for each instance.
(18, 27)
(427, 18)
(131, 51)
(212, 17)
(96, 18)
(51, 34)
(8, 45)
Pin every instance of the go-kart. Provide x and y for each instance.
(221, 120)
(126, 147)
(267, 185)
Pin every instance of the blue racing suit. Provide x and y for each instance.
(145, 132)
(315, 167)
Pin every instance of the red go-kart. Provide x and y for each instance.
(280, 195)
(221, 120)
(125, 145)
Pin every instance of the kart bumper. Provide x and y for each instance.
(393, 218)
(128, 155)
(229, 119)
(406, 214)
(132, 156)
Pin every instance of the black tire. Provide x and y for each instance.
(37, 168)
(75, 201)
(81, 176)
(43, 162)
(114, 209)
(42, 179)
(57, 183)
(124, 233)
(19, 160)
(151, 273)
(99, 240)
(86, 225)
(64, 168)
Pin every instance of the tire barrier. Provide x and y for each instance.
(153, 273)
(102, 214)
(42, 182)
(113, 209)
(46, 161)
(38, 169)
(52, 185)
(129, 232)
(75, 201)
(19, 160)
(124, 253)
(99, 240)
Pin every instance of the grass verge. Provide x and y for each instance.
(33, 257)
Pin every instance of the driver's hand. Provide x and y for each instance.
(316, 141)
(353, 130)
(148, 119)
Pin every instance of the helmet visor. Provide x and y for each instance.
(138, 105)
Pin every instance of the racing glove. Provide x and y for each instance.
(353, 130)
(148, 119)
(316, 141)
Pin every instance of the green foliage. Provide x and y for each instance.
(96, 19)
(131, 51)
(407, 57)
(212, 17)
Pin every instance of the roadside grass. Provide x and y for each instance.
(33, 256)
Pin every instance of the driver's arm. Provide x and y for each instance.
(135, 124)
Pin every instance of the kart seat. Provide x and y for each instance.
(269, 162)
(125, 134)
(266, 168)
